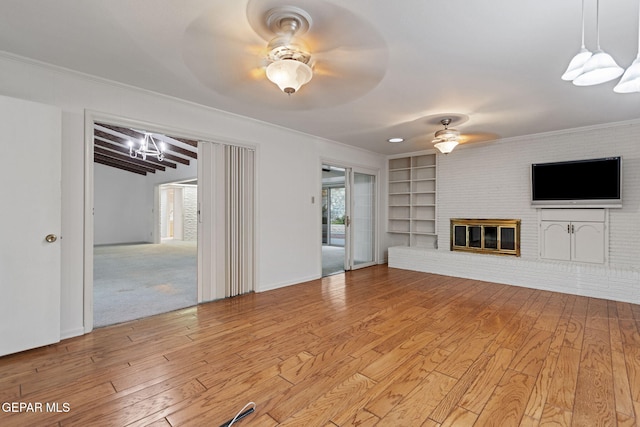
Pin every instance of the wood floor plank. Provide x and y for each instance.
(450, 402)
(508, 402)
(594, 401)
(414, 409)
(541, 389)
(322, 410)
(483, 386)
(557, 417)
(530, 357)
(565, 376)
(388, 392)
(372, 347)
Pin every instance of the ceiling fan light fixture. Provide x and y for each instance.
(289, 61)
(289, 74)
(446, 147)
(446, 139)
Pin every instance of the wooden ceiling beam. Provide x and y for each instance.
(173, 153)
(125, 163)
(190, 142)
(125, 131)
(176, 159)
(137, 135)
(107, 162)
(180, 150)
(127, 159)
(125, 151)
(111, 137)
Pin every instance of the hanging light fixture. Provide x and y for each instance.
(601, 67)
(148, 147)
(289, 60)
(576, 65)
(446, 139)
(630, 81)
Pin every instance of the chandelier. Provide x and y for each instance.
(446, 139)
(588, 69)
(289, 60)
(148, 147)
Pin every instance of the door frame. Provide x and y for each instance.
(350, 168)
(90, 117)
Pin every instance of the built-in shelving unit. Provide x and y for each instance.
(412, 200)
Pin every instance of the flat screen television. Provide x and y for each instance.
(578, 183)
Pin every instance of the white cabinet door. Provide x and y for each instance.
(31, 219)
(572, 241)
(556, 240)
(587, 243)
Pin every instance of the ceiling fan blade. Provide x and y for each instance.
(475, 137)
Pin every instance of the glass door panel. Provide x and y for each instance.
(363, 220)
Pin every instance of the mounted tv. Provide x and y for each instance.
(578, 183)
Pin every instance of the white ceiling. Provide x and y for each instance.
(384, 68)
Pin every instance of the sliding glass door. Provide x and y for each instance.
(362, 224)
(349, 239)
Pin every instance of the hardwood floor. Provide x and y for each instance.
(377, 346)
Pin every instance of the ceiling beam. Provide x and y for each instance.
(128, 160)
(113, 149)
(125, 143)
(125, 163)
(137, 135)
(190, 142)
(110, 162)
(151, 161)
(125, 131)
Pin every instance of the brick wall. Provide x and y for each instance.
(492, 180)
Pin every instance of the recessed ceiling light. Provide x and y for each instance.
(395, 139)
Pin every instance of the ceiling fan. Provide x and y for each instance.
(289, 61)
(446, 139)
(334, 55)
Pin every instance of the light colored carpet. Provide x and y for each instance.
(140, 280)
(332, 260)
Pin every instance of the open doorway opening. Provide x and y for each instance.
(145, 230)
(334, 216)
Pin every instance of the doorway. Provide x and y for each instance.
(349, 204)
(144, 225)
(334, 214)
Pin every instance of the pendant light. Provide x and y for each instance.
(576, 65)
(601, 67)
(630, 81)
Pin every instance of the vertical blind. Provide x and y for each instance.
(239, 219)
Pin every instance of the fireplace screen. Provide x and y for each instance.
(494, 236)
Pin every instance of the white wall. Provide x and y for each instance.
(492, 180)
(124, 206)
(288, 163)
(121, 207)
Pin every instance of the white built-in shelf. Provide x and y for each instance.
(412, 200)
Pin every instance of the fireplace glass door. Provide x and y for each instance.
(495, 236)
